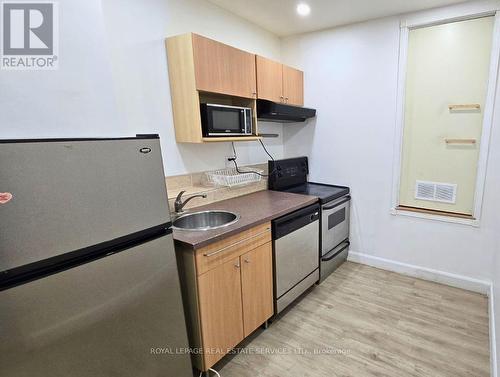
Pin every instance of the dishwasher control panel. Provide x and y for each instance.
(295, 220)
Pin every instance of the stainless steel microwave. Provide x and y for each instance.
(223, 120)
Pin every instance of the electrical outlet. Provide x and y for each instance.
(229, 163)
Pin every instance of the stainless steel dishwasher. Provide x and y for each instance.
(296, 250)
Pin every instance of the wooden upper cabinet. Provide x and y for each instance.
(257, 286)
(293, 86)
(269, 79)
(220, 68)
(279, 83)
(201, 69)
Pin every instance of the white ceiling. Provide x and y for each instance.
(280, 17)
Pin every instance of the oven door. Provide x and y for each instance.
(334, 223)
(225, 120)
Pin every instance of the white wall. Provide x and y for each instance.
(113, 81)
(137, 30)
(496, 300)
(76, 100)
(351, 78)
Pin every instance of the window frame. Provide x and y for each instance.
(426, 21)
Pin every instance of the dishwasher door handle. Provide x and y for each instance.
(237, 243)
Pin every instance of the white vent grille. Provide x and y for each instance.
(425, 191)
(436, 192)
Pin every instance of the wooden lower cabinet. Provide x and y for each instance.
(257, 287)
(227, 291)
(220, 309)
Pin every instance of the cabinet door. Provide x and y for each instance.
(293, 86)
(220, 310)
(220, 68)
(257, 287)
(269, 79)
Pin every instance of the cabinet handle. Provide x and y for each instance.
(237, 243)
(237, 265)
(286, 99)
(254, 94)
(282, 99)
(247, 261)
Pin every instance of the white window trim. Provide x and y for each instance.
(406, 26)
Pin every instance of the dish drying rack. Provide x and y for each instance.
(230, 177)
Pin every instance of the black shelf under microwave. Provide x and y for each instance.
(223, 120)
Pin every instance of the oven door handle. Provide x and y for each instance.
(327, 258)
(346, 199)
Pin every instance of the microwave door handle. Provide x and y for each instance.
(244, 121)
(249, 125)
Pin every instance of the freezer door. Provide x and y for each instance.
(120, 315)
(73, 194)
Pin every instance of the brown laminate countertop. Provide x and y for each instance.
(254, 209)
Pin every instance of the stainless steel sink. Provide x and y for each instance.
(205, 220)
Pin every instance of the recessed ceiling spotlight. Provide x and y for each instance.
(303, 9)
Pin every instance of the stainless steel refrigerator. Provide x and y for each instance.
(88, 277)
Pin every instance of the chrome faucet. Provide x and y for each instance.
(179, 204)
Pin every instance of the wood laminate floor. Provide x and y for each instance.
(363, 321)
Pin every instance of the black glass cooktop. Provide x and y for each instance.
(290, 175)
(324, 192)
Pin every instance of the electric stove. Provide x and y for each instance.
(290, 175)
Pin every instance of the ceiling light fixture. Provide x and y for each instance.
(303, 9)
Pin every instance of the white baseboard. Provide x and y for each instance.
(454, 280)
(493, 339)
